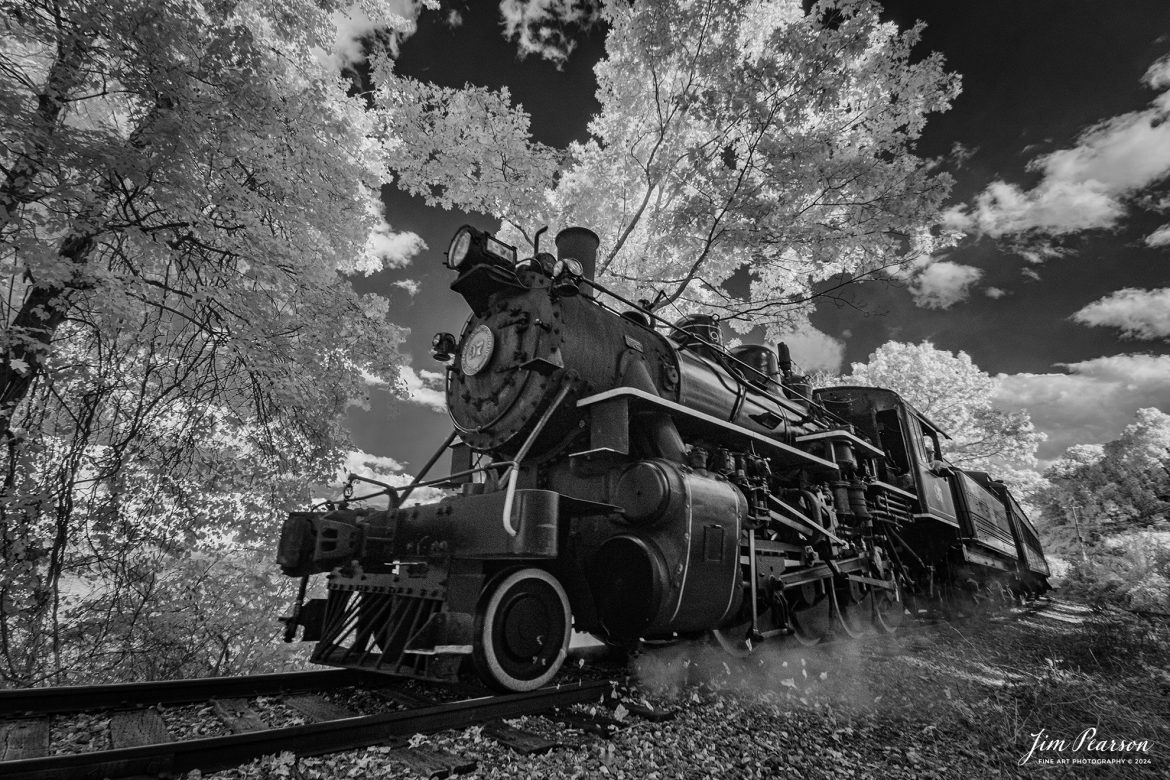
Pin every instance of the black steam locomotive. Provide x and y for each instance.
(630, 478)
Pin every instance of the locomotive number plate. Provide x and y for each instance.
(477, 350)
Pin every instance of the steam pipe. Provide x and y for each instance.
(514, 470)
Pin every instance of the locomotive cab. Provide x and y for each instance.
(909, 441)
(969, 524)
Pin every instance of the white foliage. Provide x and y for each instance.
(986, 432)
(749, 135)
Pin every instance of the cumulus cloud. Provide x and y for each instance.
(943, 284)
(1091, 402)
(454, 18)
(546, 27)
(813, 350)
(1158, 75)
(410, 285)
(1160, 237)
(424, 388)
(994, 292)
(1038, 251)
(381, 468)
(367, 465)
(1139, 314)
(1085, 186)
(387, 248)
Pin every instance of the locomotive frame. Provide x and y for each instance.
(630, 478)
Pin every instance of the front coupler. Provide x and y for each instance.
(404, 584)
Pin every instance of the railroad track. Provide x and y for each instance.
(142, 745)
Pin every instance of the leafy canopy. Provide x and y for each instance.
(752, 137)
(1123, 484)
(186, 187)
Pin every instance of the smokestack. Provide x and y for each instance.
(581, 244)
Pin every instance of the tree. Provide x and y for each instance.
(737, 136)
(1106, 509)
(186, 187)
(467, 148)
(1121, 485)
(957, 395)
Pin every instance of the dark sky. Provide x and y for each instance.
(1036, 76)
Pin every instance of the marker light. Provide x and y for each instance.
(570, 266)
(566, 275)
(443, 346)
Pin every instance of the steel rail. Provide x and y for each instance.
(81, 698)
(216, 753)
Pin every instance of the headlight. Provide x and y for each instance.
(460, 245)
(471, 247)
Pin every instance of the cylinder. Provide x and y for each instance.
(643, 492)
(627, 579)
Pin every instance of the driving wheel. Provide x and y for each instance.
(889, 609)
(812, 613)
(854, 607)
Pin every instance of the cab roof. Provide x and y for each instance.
(867, 390)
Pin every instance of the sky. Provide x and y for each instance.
(1060, 149)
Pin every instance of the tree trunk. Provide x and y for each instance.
(32, 331)
(64, 75)
(29, 333)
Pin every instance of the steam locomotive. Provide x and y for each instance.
(628, 477)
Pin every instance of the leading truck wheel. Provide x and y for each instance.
(521, 631)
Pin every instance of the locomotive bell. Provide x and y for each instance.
(580, 244)
(704, 327)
